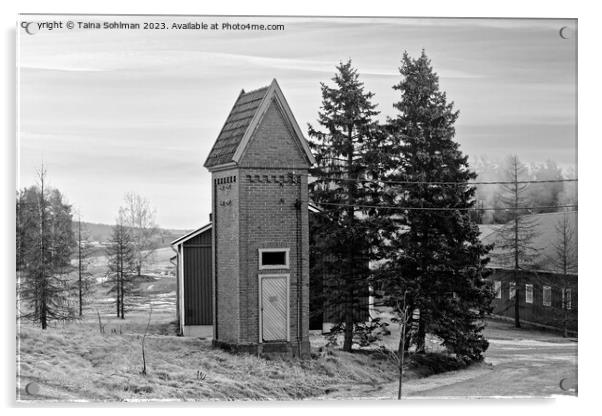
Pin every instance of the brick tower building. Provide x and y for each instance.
(259, 165)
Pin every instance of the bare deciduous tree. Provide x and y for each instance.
(403, 311)
(139, 216)
(565, 261)
(83, 283)
(150, 314)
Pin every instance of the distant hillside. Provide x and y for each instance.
(101, 233)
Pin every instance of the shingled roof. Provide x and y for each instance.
(243, 118)
(235, 127)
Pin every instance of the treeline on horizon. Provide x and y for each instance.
(541, 197)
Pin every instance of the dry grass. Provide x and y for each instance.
(76, 362)
(73, 361)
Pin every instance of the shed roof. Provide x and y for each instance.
(190, 235)
(242, 120)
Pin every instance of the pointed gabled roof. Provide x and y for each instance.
(242, 121)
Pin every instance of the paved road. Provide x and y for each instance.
(518, 363)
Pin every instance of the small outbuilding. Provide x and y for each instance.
(194, 287)
(244, 278)
(194, 282)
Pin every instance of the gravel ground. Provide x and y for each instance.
(518, 363)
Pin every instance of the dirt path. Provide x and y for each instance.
(518, 363)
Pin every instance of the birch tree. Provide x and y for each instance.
(139, 217)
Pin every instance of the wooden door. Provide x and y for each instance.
(274, 307)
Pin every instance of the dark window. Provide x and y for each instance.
(273, 258)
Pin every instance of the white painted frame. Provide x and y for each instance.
(274, 266)
(529, 293)
(260, 278)
(497, 287)
(181, 284)
(567, 298)
(511, 290)
(546, 289)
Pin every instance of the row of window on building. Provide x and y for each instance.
(546, 298)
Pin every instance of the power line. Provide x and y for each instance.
(327, 178)
(445, 208)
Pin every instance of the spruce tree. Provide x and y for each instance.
(436, 257)
(348, 150)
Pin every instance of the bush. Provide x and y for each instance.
(435, 363)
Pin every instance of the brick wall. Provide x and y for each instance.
(271, 218)
(272, 144)
(226, 232)
(273, 177)
(268, 210)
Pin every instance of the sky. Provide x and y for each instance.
(113, 111)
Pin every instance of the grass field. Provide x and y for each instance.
(73, 361)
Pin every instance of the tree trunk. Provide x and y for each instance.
(43, 317)
(421, 335)
(122, 308)
(349, 303)
(118, 298)
(516, 306)
(407, 343)
(401, 348)
(516, 247)
(79, 264)
(348, 342)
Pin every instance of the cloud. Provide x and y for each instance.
(149, 60)
(123, 110)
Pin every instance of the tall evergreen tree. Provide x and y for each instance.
(437, 258)
(122, 264)
(45, 244)
(348, 149)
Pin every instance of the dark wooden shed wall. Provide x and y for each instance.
(198, 306)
